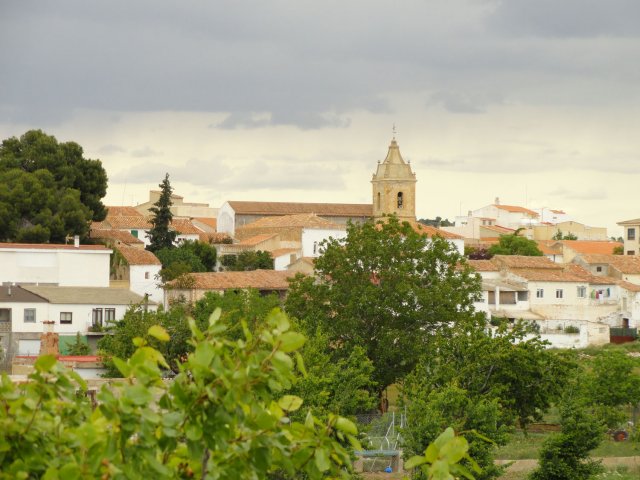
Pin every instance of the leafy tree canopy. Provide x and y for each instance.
(48, 190)
(225, 415)
(248, 260)
(436, 222)
(560, 236)
(514, 244)
(387, 289)
(189, 256)
(160, 235)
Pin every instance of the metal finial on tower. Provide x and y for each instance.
(394, 131)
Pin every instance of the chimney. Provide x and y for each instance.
(497, 202)
(76, 241)
(49, 341)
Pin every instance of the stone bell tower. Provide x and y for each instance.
(394, 186)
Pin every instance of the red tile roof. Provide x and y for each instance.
(483, 265)
(211, 222)
(302, 220)
(257, 239)
(588, 276)
(591, 246)
(522, 261)
(549, 247)
(547, 275)
(119, 235)
(138, 256)
(516, 209)
(123, 212)
(635, 221)
(430, 231)
(123, 222)
(290, 208)
(258, 279)
(185, 227)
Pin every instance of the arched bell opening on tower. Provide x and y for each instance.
(400, 198)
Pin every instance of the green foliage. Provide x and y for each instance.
(436, 222)
(559, 236)
(386, 289)
(79, 347)
(430, 411)
(515, 245)
(612, 383)
(189, 256)
(135, 324)
(444, 458)
(160, 235)
(565, 456)
(248, 260)
(618, 250)
(34, 207)
(224, 416)
(335, 384)
(476, 253)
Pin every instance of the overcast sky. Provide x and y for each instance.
(532, 101)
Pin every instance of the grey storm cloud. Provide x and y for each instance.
(308, 64)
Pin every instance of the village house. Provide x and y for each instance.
(631, 236)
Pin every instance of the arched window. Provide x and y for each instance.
(378, 200)
(400, 199)
(315, 248)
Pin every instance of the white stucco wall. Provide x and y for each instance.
(142, 280)
(81, 316)
(315, 236)
(71, 268)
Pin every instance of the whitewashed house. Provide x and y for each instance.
(48, 264)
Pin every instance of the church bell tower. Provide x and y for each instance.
(394, 186)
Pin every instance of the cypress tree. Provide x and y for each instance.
(160, 235)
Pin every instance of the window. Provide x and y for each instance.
(66, 317)
(540, 293)
(378, 200)
(96, 317)
(400, 199)
(29, 315)
(315, 248)
(134, 233)
(582, 292)
(598, 269)
(631, 252)
(523, 296)
(109, 314)
(559, 293)
(146, 275)
(5, 315)
(631, 234)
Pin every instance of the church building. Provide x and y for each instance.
(394, 187)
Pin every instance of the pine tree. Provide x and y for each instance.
(160, 235)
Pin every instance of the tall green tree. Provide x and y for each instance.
(514, 244)
(161, 235)
(248, 260)
(189, 256)
(387, 289)
(48, 190)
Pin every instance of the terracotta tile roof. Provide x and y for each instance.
(290, 208)
(635, 221)
(212, 222)
(498, 229)
(51, 246)
(623, 263)
(283, 251)
(516, 209)
(257, 239)
(547, 275)
(430, 231)
(123, 212)
(522, 261)
(138, 256)
(483, 265)
(558, 211)
(304, 220)
(119, 235)
(632, 287)
(549, 247)
(588, 276)
(259, 279)
(184, 226)
(591, 246)
(124, 222)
